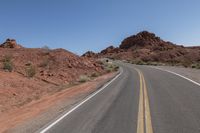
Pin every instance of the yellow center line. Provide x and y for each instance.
(149, 128)
(140, 122)
(144, 108)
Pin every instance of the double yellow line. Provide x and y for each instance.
(144, 123)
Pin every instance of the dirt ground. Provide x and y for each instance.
(32, 116)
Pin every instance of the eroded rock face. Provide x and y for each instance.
(89, 54)
(146, 46)
(143, 39)
(10, 43)
(108, 49)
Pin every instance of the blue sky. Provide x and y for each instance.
(81, 25)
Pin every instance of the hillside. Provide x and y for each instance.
(147, 47)
(27, 74)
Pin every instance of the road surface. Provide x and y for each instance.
(140, 100)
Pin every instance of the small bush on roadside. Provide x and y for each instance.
(95, 74)
(138, 62)
(30, 71)
(153, 63)
(197, 66)
(108, 70)
(186, 63)
(83, 78)
(111, 68)
(116, 68)
(7, 63)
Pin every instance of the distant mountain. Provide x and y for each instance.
(147, 47)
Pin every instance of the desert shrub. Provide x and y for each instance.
(111, 68)
(83, 78)
(30, 71)
(186, 63)
(116, 68)
(95, 74)
(99, 62)
(138, 62)
(108, 70)
(153, 63)
(8, 66)
(197, 66)
(7, 63)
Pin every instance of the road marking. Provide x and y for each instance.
(140, 125)
(177, 75)
(144, 114)
(81, 103)
(149, 128)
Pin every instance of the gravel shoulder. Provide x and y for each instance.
(190, 73)
(35, 115)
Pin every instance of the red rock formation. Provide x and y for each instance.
(89, 54)
(147, 46)
(10, 43)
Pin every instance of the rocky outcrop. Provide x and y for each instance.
(148, 47)
(89, 54)
(10, 43)
(144, 39)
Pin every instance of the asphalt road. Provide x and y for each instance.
(141, 100)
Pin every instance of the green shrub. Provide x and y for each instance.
(30, 71)
(95, 74)
(83, 78)
(7, 63)
(108, 70)
(116, 68)
(8, 66)
(197, 66)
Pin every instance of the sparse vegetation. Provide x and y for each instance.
(30, 71)
(110, 67)
(7, 63)
(94, 74)
(83, 78)
(151, 63)
(197, 66)
(138, 62)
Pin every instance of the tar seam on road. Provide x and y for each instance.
(81, 103)
(177, 75)
(144, 116)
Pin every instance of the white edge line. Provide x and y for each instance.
(77, 106)
(177, 75)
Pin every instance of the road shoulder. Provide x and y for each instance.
(193, 74)
(36, 114)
